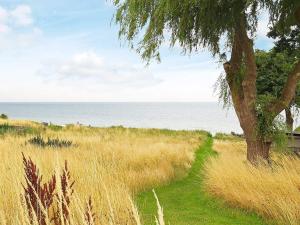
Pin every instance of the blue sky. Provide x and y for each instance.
(69, 51)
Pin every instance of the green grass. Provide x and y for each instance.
(55, 127)
(16, 130)
(186, 203)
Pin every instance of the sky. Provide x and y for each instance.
(69, 51)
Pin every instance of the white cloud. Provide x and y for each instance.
(28, 38)
(22, 15)
(3, 20)
(89, 65)
(3, 14)
(17, 27)
(263, 25)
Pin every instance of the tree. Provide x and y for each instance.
(289, 45)
(196, 24)
(273, 68)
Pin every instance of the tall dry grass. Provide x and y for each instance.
(108, 165)
(273, 192)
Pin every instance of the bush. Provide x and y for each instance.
(3, 116)
(229, 137)
(4, 128)
(55, 127)
(17, 130)
(54, 143)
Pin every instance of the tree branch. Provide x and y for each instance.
(249, 81)
(288, 91)
(232, 69)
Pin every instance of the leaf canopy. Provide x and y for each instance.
(193, 24)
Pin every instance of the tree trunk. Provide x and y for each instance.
(258, 150)
(244, 94)
(289, 119)
(257, 147)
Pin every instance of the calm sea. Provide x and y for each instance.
(206, 116)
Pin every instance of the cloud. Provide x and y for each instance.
(22, 15)
(263, 25)
(3, 20)
(262, 40)
(17, 27)
(90, 66)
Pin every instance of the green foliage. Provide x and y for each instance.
(185, 201)
(282, 14)
(269, 128)
(3, 116)
(274, 66)
(4, 128)
(273, 69)
(196, 24)
(227, 137)
(289, 43)
(16, 130)
(192, 24)
(55, 127)
(53, 143)
(221, 88)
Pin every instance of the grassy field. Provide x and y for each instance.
(110, 165)
(272, 191)
(115, 169)
(186, 203)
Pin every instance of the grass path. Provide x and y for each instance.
(185, 203)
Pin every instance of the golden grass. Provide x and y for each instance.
(272, 192)
(108, 164)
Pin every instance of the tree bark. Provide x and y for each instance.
(244, 94)
(289, 119)
(258, 150)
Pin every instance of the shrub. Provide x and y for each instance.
(229, 137)
(17, 130)
(55, 127)
(3, 116)
(4, 128)
(54, 143)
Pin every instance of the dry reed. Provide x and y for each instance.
(109, 165)
(273, 192)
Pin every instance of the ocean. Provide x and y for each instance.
(209, 116)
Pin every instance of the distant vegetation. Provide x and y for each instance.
(3, 116)
(54, 127)
(53, 143)
(231, 137)
(16, 130)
